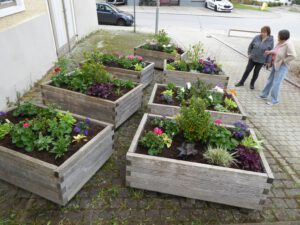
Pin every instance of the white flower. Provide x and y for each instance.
(182, 89)
(188, 85)
(164, 46)
(218, 89)
(210, 98)
(169, 45)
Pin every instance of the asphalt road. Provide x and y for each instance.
(277, 20)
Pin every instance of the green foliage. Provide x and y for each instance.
(66, 118)
(123, 83)
(79, 82)
(60, 77)
(249, 142)
(170, 67)
(5, 129)
(138, 67)
(168, 93)
(195, 52)
(170, 127)
(162, 37)
(25, 109)
(200, 89)
(219, 156)
(215, 98)
(181, 94)
(43, 142)
(23, 137)
(230, 104)
(94, 72)
(220, 136)
(60, 146)
(220, 108)
(194, 121)
(153, 142)
(171, 86)
(63, 64)
(180, 65)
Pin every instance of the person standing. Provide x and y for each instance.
(256, 55)
(281, 56)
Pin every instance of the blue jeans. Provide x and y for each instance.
(274, 82)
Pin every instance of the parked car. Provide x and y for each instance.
(109, 14)
(117, 2)
(219, 5)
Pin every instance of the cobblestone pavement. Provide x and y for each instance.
(106, 200)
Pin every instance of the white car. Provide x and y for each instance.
(219, 5)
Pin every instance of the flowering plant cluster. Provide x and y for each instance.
(226, 146)
(162, 42)
(46, 130)
(92, 79)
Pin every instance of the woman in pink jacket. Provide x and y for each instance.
(282, 55)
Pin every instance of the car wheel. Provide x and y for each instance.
(121, 22)
(205, 5)
(216, 8)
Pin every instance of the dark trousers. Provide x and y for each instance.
(249, 68)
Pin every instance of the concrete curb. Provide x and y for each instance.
(273, 223)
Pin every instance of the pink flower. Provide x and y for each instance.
(25, 125)
(201, 61)
(218, 122)
(140, 58)
(130, 57)
(158, 131)
(57, 69)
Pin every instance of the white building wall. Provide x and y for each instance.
(27, 53)
(85, 17)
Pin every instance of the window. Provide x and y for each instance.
(8, 7)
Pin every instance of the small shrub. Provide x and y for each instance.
(219, 156)
(153, 142)
(220, 136)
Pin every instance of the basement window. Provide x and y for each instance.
(9, 7)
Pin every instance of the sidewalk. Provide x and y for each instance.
(200, 11)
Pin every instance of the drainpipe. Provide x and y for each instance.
(66, 25)
(53, 26)
(74, 19)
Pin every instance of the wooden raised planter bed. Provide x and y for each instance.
(180, 78)
(144, 77)
(171, 110)
(156, 56)
(228, 186)
(114, 112)
(58, 183)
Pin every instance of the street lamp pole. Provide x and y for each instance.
(134, 16)
(157, 14)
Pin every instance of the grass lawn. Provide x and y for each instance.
(248, 7)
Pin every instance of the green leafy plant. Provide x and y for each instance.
(180, 65)
(162, 37)
(200, 89)
(170, 127)
(215, 98)
(95, 72)
(5, 129)
(170, 67)
(153, 142)
(43, 142)
(168, 93)
(61, 69)
(219, 156)
(230, 104)
(123, 83)
(249, 142)
(220, 108)
(195, 52)
(220, 136)
(181, 94)
(60, 146)
(25, 109)
(194, 121)
(23, 136)
(171, 86)
(138, 67)
(66, 118)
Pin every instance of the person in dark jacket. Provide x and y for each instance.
(257, 58)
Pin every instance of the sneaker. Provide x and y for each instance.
(239, 84)
(271, 103)
(252, 86)
(261, 97)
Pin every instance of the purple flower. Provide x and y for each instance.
(86, 132)
(87, 121)
(241, 125)
(77, 129)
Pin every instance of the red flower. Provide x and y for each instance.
(57, 69)
(218, 122)
(25, 125)
(158, 131)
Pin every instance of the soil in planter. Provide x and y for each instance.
(172, 152)
(117, 65)
(112, 97)
(46, 156)
(159, 100)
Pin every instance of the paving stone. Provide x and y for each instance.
(292, 203)
(279, 193)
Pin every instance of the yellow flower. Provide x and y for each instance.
(232, 91)
(79, 137)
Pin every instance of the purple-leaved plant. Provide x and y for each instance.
(248, 159)
(209, 66)
(101, 90)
